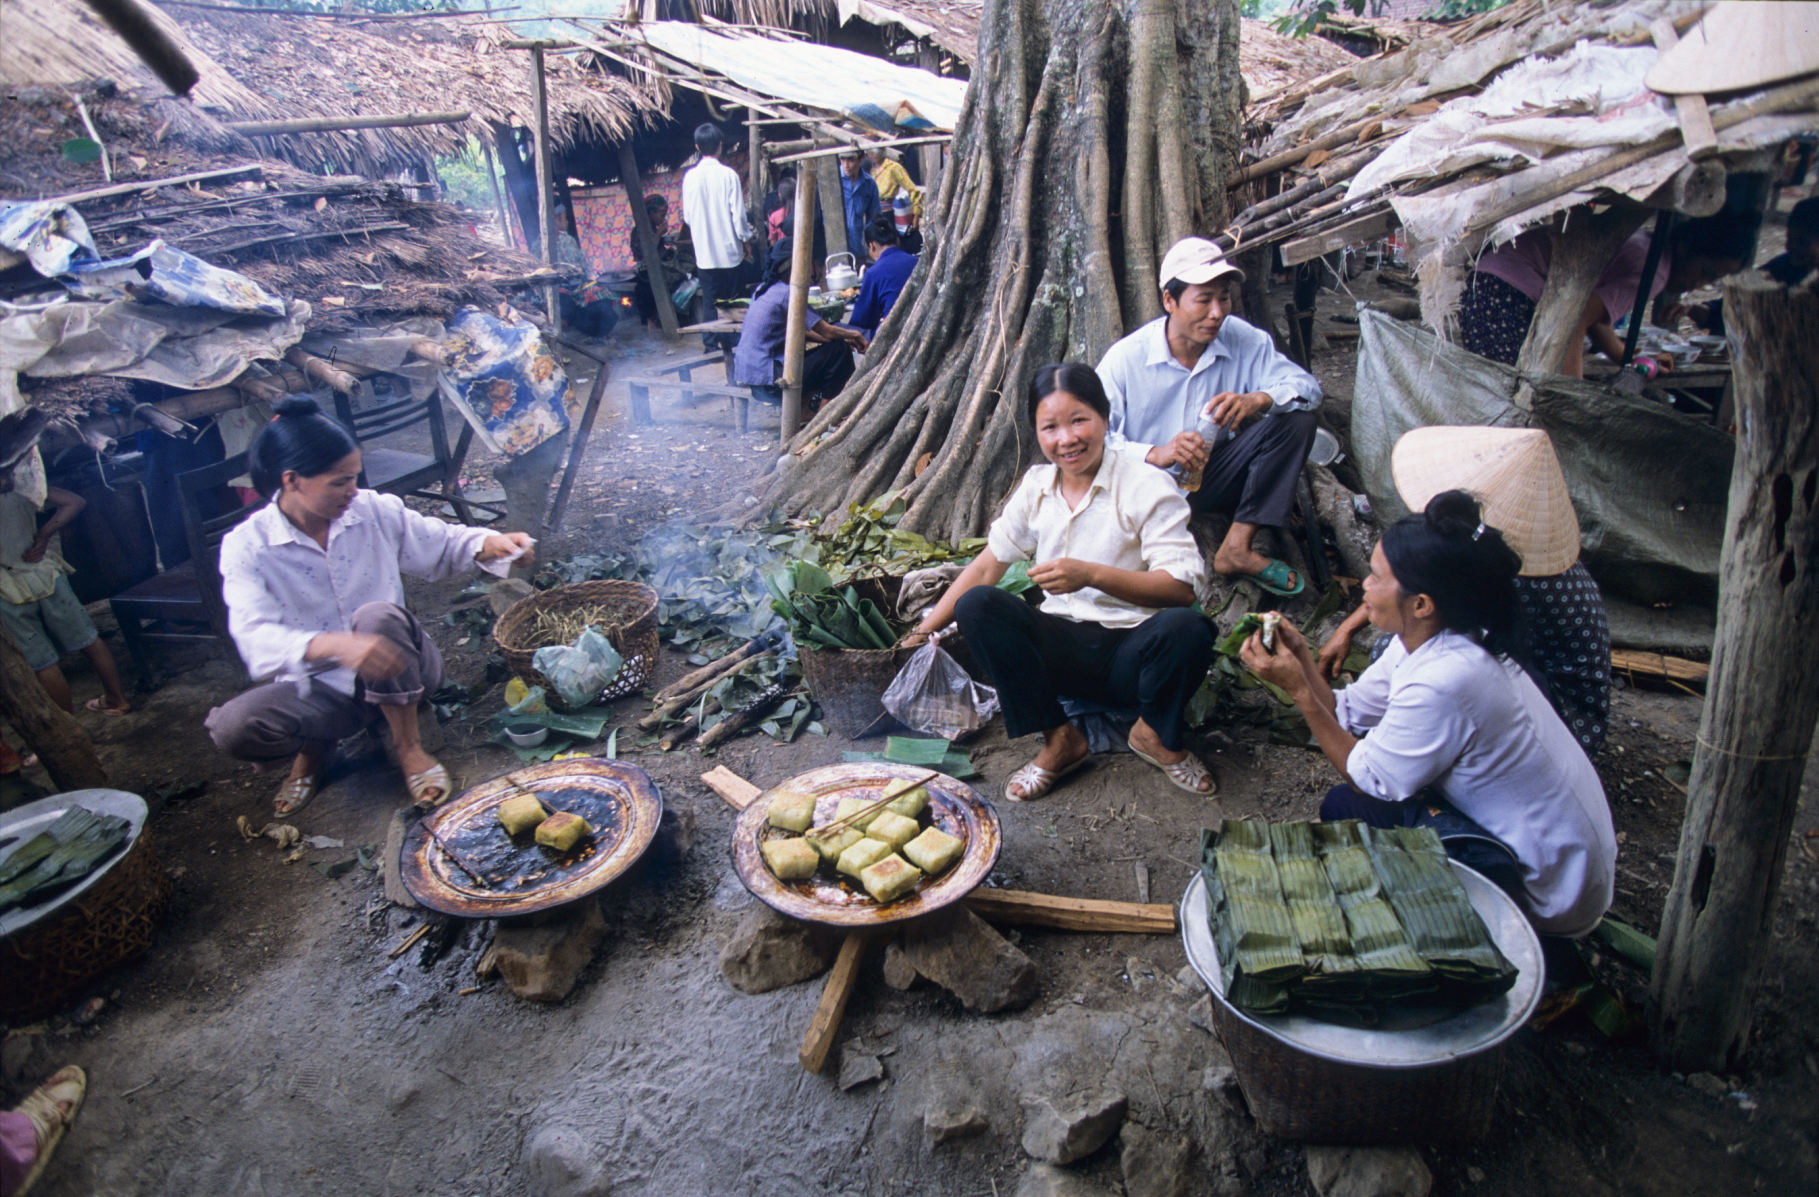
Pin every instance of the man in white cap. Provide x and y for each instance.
(1203, 395)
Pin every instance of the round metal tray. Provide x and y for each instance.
(23, 822)
(954, 807)
(516, 875)
(1426, 1038)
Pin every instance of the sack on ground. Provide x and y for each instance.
(579, 671)
(933, 695)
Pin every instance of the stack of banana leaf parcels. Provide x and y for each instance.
(59, 856)
(1343, 921)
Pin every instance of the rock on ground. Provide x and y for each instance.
(858, 1066)
(542, 960)
(949, 1119)
(1064, 1129)
(1046, 1180)
(959, 951)
(562, 1163)
(1155, 1164)
(768, 951)
(1368, 1172)
(899, 973)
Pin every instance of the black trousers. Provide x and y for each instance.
(1033, 658)
(1253, 475)
(1464, 839)
(718, 283)
(825, 369)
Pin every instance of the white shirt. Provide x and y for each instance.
(1154, 396)
(1133, 517)
(283, 589)
(1451, 715)
(713, 206)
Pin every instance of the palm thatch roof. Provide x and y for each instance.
(1272, 62)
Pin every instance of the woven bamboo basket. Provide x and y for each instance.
(630, 624)
(849, 683)
(109, 924)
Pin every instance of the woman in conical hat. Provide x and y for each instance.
(1514, 472)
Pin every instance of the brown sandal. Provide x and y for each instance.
(66, 1085)
(430, 788)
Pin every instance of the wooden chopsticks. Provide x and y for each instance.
(845, 821)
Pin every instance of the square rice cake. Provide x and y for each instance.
(862, 855)
(832, 845)
(792, 811)
(520, 814)
(934, 851)
(790, 859)
(562, 830)
(893, 829)
(890, 878)
(906, 799)
(849, 805)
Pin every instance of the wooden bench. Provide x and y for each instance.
(681, 376)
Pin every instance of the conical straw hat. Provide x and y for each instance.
(1512, 471)
(1740, 45)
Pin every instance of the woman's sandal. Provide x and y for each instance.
(430, 788)
(66, 1085)
(294, 795)
(1037, 781)
(1186, 773)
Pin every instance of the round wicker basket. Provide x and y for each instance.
(630, 623)
(106, 926)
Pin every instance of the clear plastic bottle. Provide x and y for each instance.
(1211, 433)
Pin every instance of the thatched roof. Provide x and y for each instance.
(1272, 62)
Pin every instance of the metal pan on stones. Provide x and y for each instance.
(953, 806)
(459, 860)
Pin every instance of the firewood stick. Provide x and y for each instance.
(735, 723)
(711, 670)
(832, 1007)
(685, 729)
(680, 702)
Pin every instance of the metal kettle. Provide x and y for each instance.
(840, 278)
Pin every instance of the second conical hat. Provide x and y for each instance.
(1740, 45)
(1512, 471)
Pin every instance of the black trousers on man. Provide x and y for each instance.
(1034, 658)
(1252, 476)
(716, 284)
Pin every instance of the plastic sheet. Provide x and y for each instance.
(933, 695)
(579, 671)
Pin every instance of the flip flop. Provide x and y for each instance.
(1037, 781)
(1184, 774)
(435, 780)
(1274, 578)
(67, 1084)
(96, 705)
(297, 791)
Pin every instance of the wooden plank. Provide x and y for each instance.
(331, 124)
(1352, 232)
(834, 996)
(1695, 118)
(1658, 665)
(1071, 914)
(738, 792)
(200, 176)
(856, 142)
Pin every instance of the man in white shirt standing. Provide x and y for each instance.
(1206, 396)
(713, 207)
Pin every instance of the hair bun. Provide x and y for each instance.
(1453, 513)
(297, 405)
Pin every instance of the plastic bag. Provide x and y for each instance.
(933, 695)
(579, 671)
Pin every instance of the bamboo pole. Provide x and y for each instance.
(138, 29)
(1761, 705)
(1286, 158)
(754, 179)
(330, 124)
(633, 182)
(833, 201)
(540, 95)
(795, 336)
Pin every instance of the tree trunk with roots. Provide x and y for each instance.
(1092, 138)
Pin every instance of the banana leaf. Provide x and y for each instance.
(1318, 918)
(1250, 920)
(82, 843)
(1433, 907)
(1242, 631)
(910, 750)
(1378, 940)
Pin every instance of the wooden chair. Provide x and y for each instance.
(184, 602)
(400, 472)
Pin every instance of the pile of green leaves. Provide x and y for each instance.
(913, 750)
(870, 545)
(821, 616)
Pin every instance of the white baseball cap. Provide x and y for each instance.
(1196, 260)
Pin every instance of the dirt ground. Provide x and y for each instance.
(269, 1044)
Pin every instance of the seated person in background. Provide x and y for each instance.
(909, 239)
(676, 265)
(1501, 295)
(1109, 539)
(883, 280)
(758, 360)
(1788, 269)
(315, 601)
(1201, 393)
(1459, 736)
(587, 307)
(893, 181)
(1524, 493)
(38, 606)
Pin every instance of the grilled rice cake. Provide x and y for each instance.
(893, 829)
(831, 845)
(863, 855)
(792, 811)
(562, 830)
(934, 851)
(849, 805)
(906, 799)
(890, 878)
(790, 859)
(520, 814)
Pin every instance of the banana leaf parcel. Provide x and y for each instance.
(1342, 921)
(59, 856)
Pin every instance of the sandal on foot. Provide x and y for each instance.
(294, 795)
(430, 788)
(67, 1084)
(1185, 773)
(1037, 781)
(1274, 578)
(98, 704)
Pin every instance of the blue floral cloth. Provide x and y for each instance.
(503, 371)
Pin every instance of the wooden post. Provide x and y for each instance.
(1761, 704)
(48, 730)
(633, 182)
(492, 176)
(929, 59)
(540, 95)
(795, 336)
(754, 174)
(833, 202)
(520, 185)
(577, 449)
(1580, 255)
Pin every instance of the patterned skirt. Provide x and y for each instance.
(1570, 640)
(1494, 319)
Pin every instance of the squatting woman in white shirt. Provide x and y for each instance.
(1447, 730)
(315, 604)
(1113, 555)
